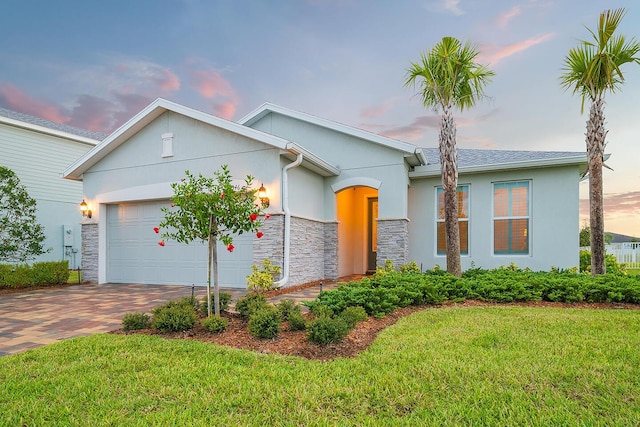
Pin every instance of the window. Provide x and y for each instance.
(511, 218)
(463, 220)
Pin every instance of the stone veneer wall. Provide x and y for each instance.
(393, 241)
(313, 250)
(331, 250)
(271, 245)
(90, 252)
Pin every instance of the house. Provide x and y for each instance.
(38, 151)
(342, 200)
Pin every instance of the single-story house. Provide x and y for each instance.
(342, 200)
(38, 150)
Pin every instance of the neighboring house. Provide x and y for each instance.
(342, 200)
(38, 151)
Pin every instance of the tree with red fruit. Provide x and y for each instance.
(211, 210)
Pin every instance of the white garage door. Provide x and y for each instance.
(134, 256)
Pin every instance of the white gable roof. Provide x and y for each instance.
(410, 150)
(159, 107)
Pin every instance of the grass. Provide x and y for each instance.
(633, 271)
(73, 276)
(495, 366)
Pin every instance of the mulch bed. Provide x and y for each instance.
(295, 343)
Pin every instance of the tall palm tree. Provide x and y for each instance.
(448, 77)
(593, 68)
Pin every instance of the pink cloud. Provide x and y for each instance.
(92, 113)
(504, 18)
(210, 83)
(493, 55)
(168, 82)
(225, 110)
(376, 111)
(13, 98)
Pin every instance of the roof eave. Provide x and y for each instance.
(47, 131)
(312, 161)
(526, 164)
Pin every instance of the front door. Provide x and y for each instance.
(372, 233)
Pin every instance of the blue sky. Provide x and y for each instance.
(95, 64)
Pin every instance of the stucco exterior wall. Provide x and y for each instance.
(554, 222)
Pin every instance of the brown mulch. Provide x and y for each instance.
(33, 288)
(295, 343)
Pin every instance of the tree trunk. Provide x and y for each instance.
(595, 137)
(449, 173)
(209, 263)
(216, 285)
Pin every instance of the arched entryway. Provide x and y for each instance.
(357, 213)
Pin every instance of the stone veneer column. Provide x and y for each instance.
(393, 241)
(90, 252)
(331, 250)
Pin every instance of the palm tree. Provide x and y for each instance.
(448, 77)
(593, 68)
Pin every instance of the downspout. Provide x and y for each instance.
(287, 220)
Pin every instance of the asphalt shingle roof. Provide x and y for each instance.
(51, 125)
(475, 157)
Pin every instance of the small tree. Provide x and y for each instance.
(211, 209)
(21, 237)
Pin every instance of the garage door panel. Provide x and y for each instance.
(134, 256)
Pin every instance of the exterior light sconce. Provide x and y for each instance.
(86, 212)
(262, 194)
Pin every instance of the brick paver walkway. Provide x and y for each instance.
(39, 317)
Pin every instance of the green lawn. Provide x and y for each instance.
(498, 366)
(633, 271)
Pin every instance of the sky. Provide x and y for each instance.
(94, 65)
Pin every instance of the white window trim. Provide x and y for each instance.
(529, 217)
(438, 220)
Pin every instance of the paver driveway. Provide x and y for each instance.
(43, 316)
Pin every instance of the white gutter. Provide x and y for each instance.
(287, 220)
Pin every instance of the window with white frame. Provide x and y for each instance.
(463, 220)
(511, 218)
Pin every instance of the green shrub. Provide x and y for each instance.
(250, 303)
(321, 310)
(186, 302)
(353, 315)
(135, 321)
(39, 274)
(215, 324)
(225, 299)
(263, 278)
(265, 322)
(287, 307)
(410, 268)
(174, 318)
(325, 330)
(297, 322)
(610, 262)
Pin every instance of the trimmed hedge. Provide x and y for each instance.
(38, 274)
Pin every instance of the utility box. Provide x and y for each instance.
(67, 235)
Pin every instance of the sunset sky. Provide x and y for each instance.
(94, 65)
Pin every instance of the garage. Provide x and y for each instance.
(134, 256)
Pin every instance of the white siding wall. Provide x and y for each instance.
(553, 228)
(39, 159)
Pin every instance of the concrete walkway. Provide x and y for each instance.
(34, 318)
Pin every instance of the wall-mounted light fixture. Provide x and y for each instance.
(86, 212)
(262, 194)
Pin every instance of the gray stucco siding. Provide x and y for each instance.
(554, 205)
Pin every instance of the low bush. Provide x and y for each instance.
(297, 322)
(215, 324)
(250, 303)
(288, 307)
(262, 278)
(225, 299)
(321, 310)
(326, 330)
(135, 321)
(175, 318)
(265, 322)
(186, 302)
(353, 315)
(38, 274)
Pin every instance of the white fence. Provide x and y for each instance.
(625, 253)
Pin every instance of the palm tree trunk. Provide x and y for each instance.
(595, 137)
(449, 172)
